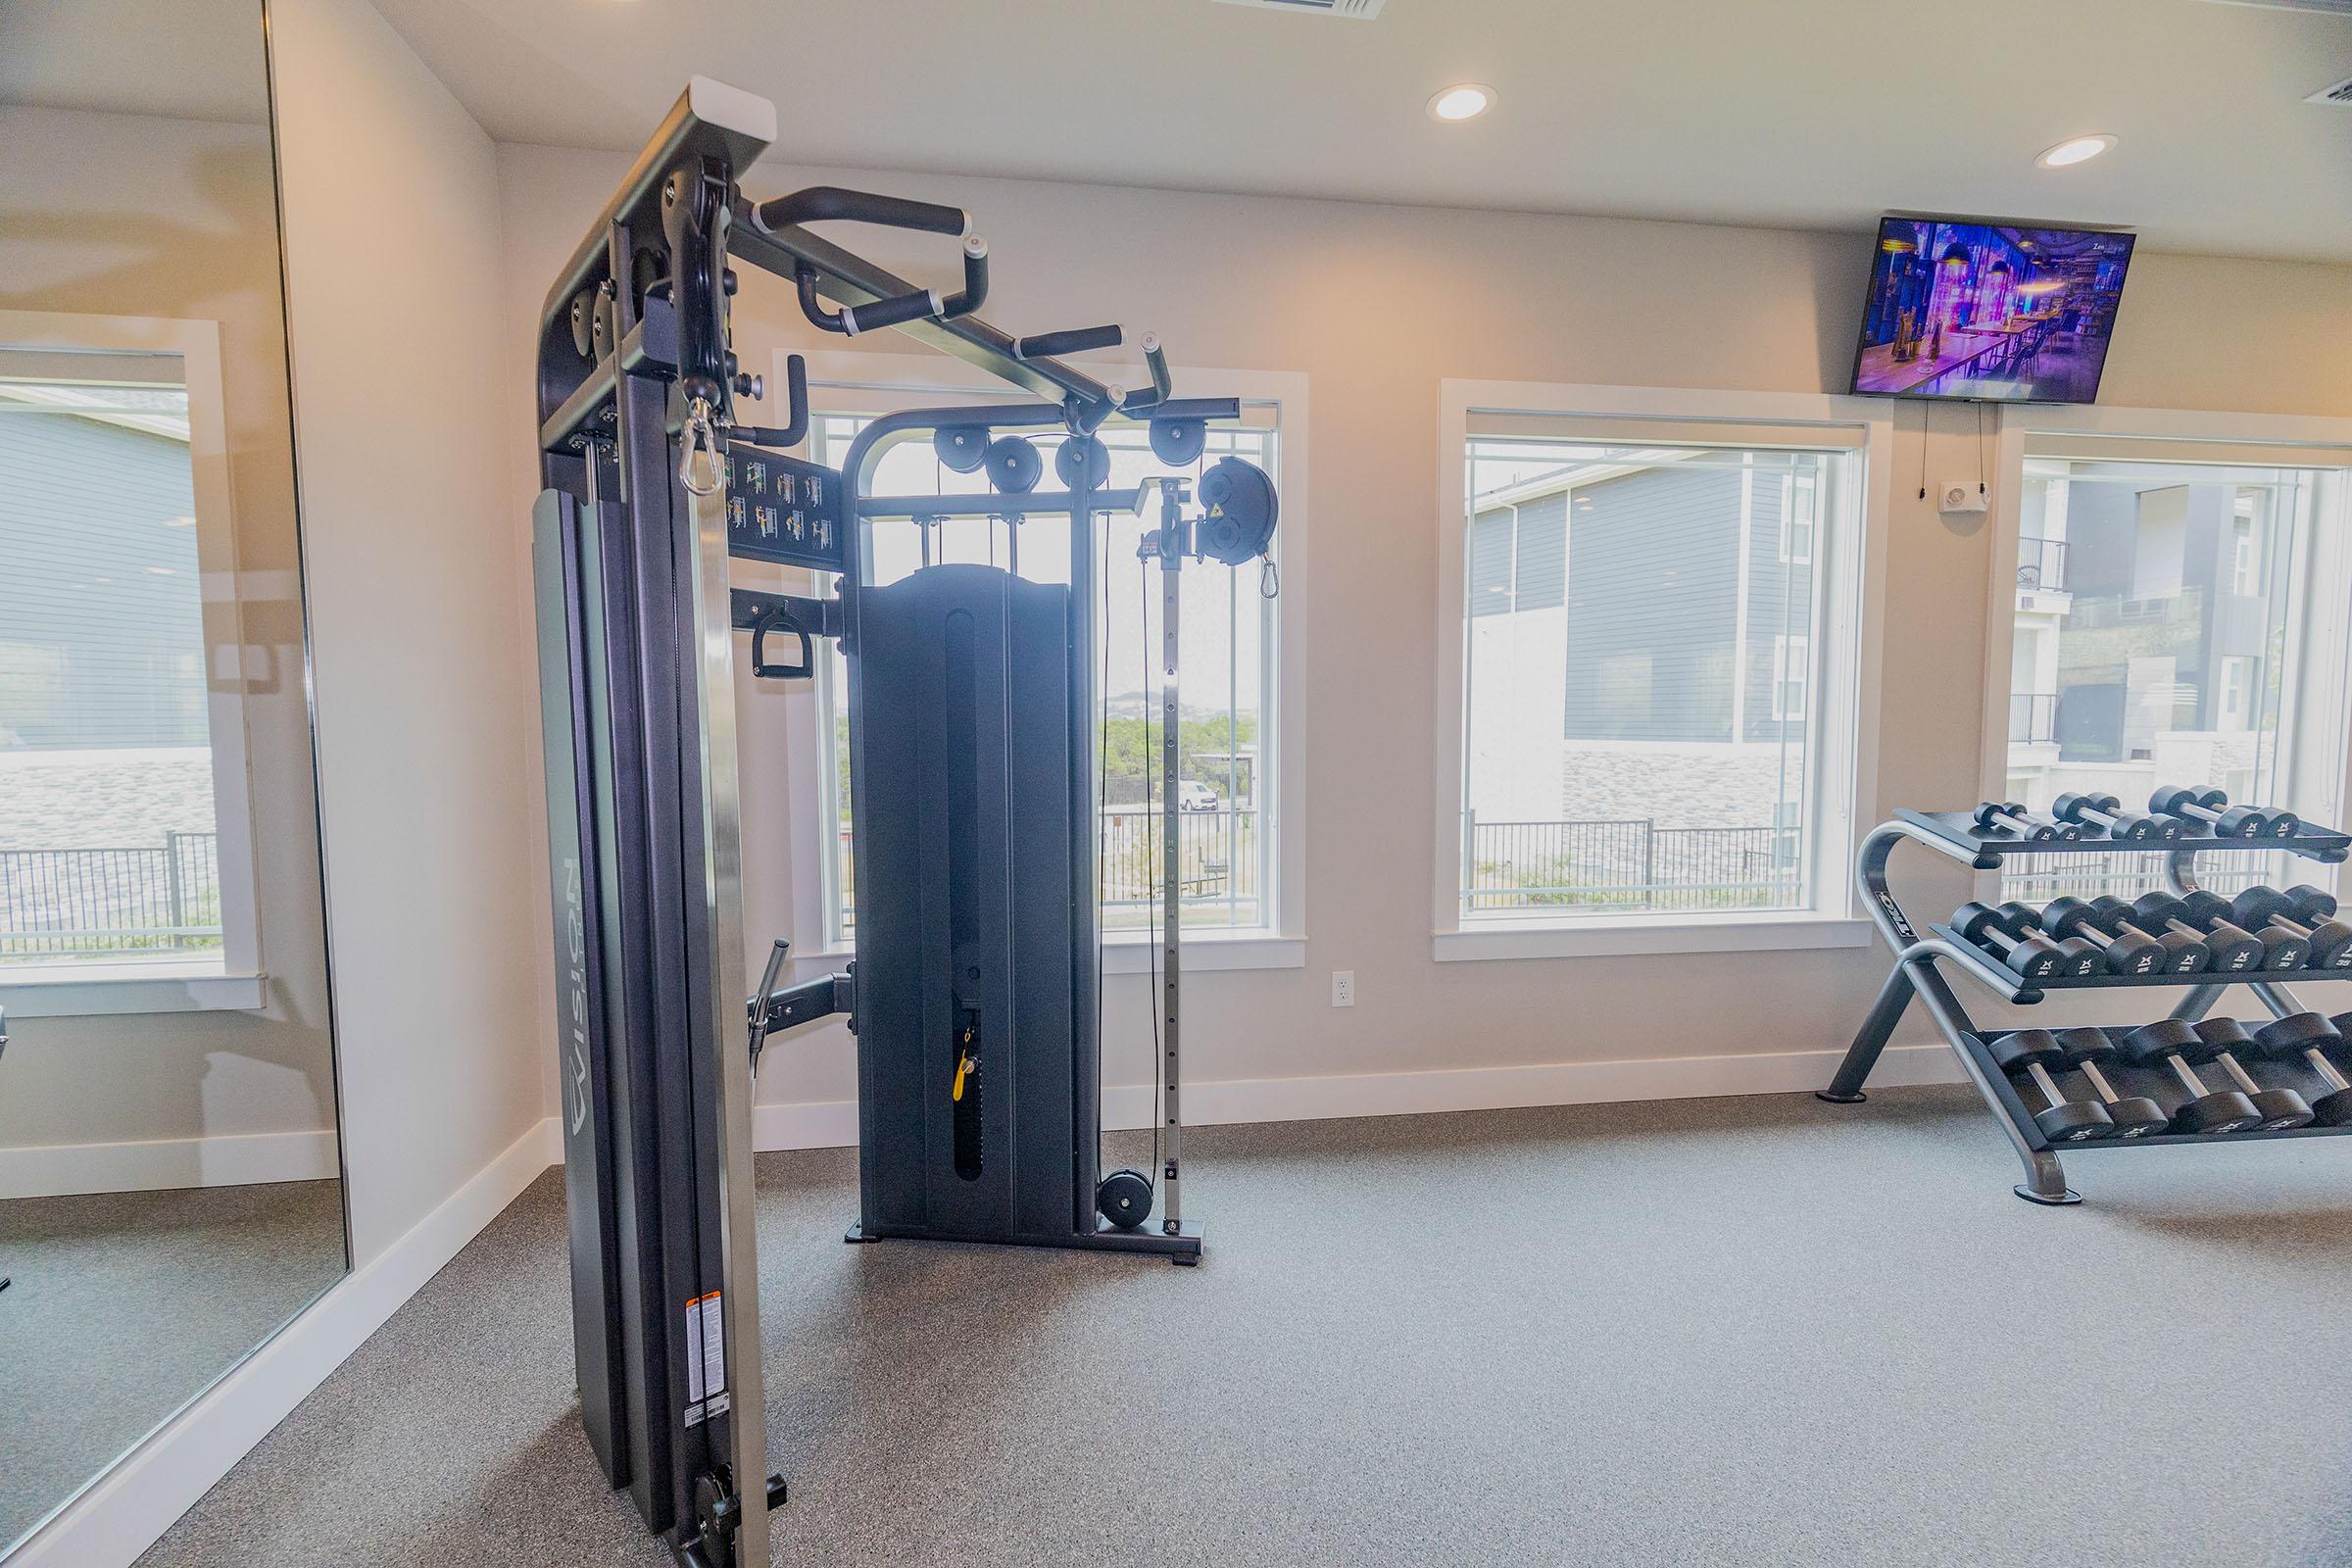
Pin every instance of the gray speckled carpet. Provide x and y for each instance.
(1756, 1331)
(122, 1305)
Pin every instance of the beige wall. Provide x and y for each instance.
(1377, 305)
(129, 215)
(427, 716)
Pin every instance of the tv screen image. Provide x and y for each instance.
(1990, 311)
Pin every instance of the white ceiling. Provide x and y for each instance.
(184, 59)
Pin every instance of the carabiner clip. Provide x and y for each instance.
(700, 437)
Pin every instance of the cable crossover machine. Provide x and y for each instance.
(974, 990)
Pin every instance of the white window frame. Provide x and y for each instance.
(1852, 589)
(887, 382)
(1793, 484)
(2320, 625)
(235, 979)
(1785, 674)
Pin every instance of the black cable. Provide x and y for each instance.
(1981, 449)
(1102, 789)
(1926, 410)
(1151, 915)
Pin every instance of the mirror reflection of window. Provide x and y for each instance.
(169, 1168)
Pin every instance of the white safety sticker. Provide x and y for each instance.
(695, 1414)
(705, 1350)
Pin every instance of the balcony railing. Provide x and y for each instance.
(2040, 566)
(94, 902)
(2033, 717)
(1628, 865)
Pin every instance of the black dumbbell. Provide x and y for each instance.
(2186, 953)
(2080, 957)
(2313, 1037)
(2282, 946)
(2031, 955)
(2106, 812)
(2200, 915)
(2033, 1052)
(2211, 810)
(2304, 911)
(2280, 1108)
(2122, 951)
(2131, 1115)
(2171, 1043)
(2009, 816)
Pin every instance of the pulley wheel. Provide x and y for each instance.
(961, 446)
(1125, 1199)
(583, 315)
(1088, 449)
(1178, 440)
(1014, 465)
(1240, 507)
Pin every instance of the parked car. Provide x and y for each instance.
(1193, 795)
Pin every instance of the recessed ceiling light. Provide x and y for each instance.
(2078, 150)
(1466, 101)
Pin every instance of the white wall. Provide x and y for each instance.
(1377, 305)
(427, 707)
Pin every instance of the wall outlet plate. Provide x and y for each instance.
(1343, 988)
(1962, 494)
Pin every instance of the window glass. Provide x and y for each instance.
(1228, 655)
(108, 847)
(1643, 625)
(2156, 644)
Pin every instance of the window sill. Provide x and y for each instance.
(1629, 938)
(1134, 952)
(77, 990)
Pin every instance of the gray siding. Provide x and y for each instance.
(1519, 557)
(101, 611)
(1652, 606)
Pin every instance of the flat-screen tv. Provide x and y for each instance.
(1990, 311)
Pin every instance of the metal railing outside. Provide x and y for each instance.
(90, 903)
(1628, 864)
(2033, 716)
(2041, 565)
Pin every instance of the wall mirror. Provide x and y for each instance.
(171, 1189)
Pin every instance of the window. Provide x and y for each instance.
(2190, 648)
(1233, 866)
(1657, 667)
(119, 804)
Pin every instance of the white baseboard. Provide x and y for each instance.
(833, 1123)
(123, 1514)
(53, 1170)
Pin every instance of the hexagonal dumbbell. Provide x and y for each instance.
(2011, 816)
(2034, 1052)
(2027, 953)
(2234, 951)
(2280, 1108)
(2106, 814)
(2173, 1046)
(2088, 1051)
(2081, 958)
(2122, 951)
(2210, 812)
(2304, 911)
(2184, 951)
(2312, 1036)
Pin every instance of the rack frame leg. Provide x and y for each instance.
(1877, 1027)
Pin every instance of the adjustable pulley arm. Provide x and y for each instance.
(772, 1007)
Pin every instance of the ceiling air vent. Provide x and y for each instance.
(1360, 10)
(2340, 95)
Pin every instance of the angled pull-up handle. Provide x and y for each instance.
(1163, 385)
(1077, 340)
(831, 203)
(820, 203)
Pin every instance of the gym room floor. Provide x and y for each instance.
(1759, 1331)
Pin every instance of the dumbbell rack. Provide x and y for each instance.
(1919, 972)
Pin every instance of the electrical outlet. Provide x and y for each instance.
(1343, 988)
(1961, 496)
